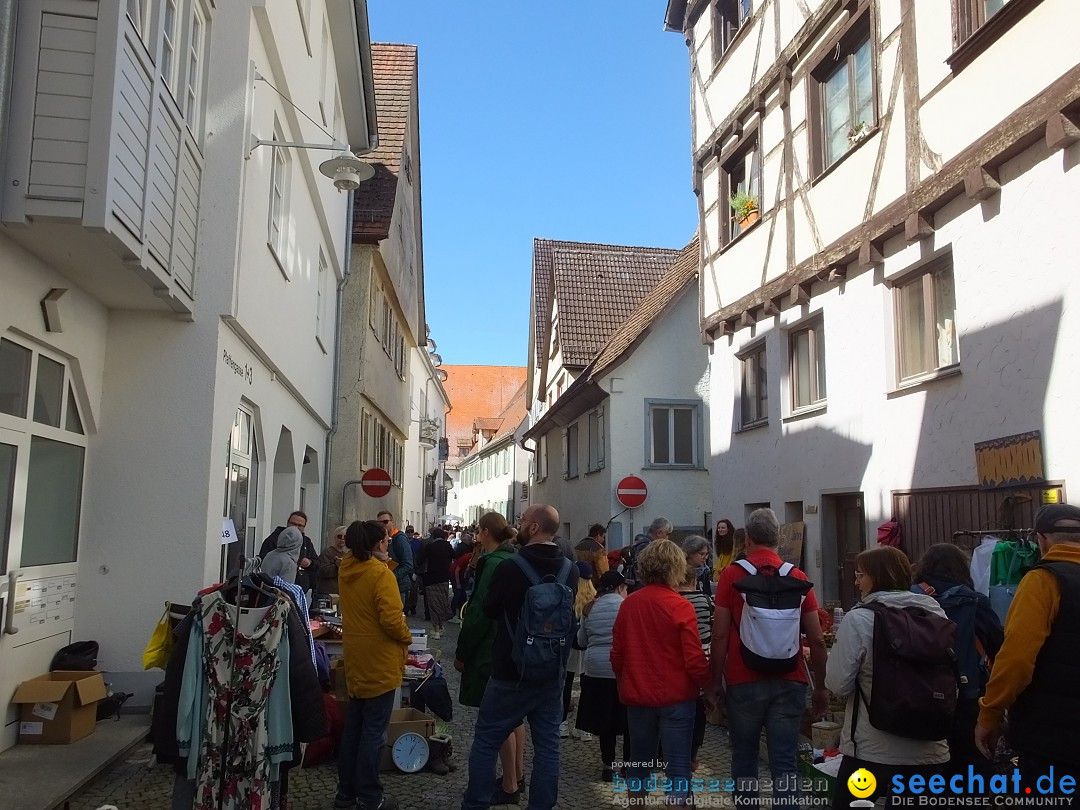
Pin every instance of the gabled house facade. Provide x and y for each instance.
(167, 322)
(494, 477)
(383, 320)
(638, 407)
(887, 263)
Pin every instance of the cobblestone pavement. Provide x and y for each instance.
(138, 783)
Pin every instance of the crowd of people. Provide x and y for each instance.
(665, 632)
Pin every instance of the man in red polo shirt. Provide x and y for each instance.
(755, 699)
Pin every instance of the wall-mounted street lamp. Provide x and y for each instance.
(346, 169)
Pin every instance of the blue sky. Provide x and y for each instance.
(564, 119)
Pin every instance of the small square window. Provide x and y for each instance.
(925, 312)
(673, 433)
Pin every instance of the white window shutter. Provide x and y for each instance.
(601, 437)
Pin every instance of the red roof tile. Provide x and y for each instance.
(477, 392)
(395, 73)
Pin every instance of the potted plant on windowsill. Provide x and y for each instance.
(857, 133)
(745, 208)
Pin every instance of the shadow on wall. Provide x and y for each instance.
(1002, 391)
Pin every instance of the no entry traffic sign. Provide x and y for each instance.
(631, 492)
(376, 482)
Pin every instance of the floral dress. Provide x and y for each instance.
(234, 755)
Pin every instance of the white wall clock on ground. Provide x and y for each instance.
(410, 752)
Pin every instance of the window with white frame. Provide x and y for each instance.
(139, 14)
(754, 399)
(324, 73)
(45, 448)
(365, 438)
(321, 293)
(673, 433)
(596, 441)
(924, 313)
(570, 451)
(241, 489)
(506, 460)
(279, 199)
(194, 73)
(806, 346)
(169, 38)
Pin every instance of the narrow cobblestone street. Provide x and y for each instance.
(138, 783)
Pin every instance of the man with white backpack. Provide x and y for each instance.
(763, 606)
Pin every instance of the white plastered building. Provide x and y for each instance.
(168, 319)
(890, 329)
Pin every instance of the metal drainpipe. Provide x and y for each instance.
(9, 15)
(336, 384)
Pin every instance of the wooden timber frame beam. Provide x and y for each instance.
(1047, 118)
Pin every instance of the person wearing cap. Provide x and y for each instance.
(1036, 671)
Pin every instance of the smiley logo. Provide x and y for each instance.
(861, 783)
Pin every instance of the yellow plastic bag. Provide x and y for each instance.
(157, 651)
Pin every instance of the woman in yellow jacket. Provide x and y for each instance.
(375, 641)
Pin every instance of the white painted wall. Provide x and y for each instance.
(1014, 275)
(488, 494)
(159, 397)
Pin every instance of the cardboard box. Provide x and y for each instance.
(338, 686)
(58, 707)
(402, 721)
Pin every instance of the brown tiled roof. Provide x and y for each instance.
(395, 74)
(681, 273)
(585, 391)
(638, 267)
(487, 423)
(596, 290)
(477, 391)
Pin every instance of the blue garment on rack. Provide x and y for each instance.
(296, 593)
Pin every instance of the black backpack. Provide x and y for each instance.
(915, 678)
(78, 657)
(960, 604)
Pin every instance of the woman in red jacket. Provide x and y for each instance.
(661, 669)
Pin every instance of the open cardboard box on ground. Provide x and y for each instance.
(402, 721)
(58, 707)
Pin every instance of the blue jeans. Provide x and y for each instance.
(503, 708)
(362, 740)
(673, 727)
(776, 705)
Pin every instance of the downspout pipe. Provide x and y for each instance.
(9, 17)
(336, 382)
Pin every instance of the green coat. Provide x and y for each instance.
(477, 632)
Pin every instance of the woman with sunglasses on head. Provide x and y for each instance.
(330, 561)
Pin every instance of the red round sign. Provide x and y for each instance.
(631, 492)
(376, 482)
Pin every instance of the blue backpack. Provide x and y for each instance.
(960, 604)
(540, 644)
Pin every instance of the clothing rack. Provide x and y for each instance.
(984, 532)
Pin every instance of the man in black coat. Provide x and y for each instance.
(508, 700)
(307, 574)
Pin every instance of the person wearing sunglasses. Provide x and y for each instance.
(400, 552)
(330, 561)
